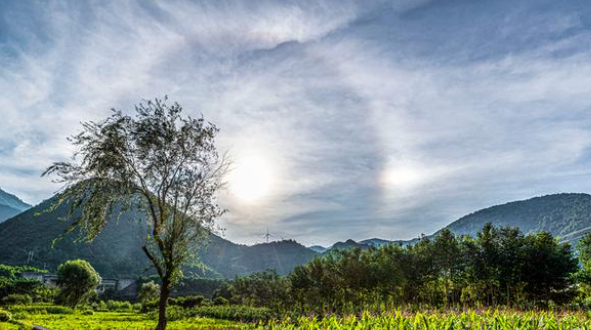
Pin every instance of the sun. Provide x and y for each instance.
(250, 179)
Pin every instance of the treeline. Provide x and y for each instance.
(498, 267)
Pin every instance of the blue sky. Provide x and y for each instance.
(364, 118)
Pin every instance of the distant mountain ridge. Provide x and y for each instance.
(116, 252)
(10, 205)
(566, 215)
(26, 238)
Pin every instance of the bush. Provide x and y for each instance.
(102, 306)
(119, 306)
(233, 313)
(149, 306)
(5, 316)
(218, 301)
(173, 313)
(17, 299)
(187, 302)
(45, 294)
(40, 309)
(58, 310)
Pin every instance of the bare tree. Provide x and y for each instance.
(158, 161)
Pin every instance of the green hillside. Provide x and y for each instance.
(564, 215)
(116, 252)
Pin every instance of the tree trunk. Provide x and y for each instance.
(164, 294)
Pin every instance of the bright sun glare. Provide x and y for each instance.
(250, 179)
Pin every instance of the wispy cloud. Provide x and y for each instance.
(382, 118)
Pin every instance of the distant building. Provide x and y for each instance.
(113, 284)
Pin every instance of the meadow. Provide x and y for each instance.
(395, 320)
(466, 320)
(112, 321)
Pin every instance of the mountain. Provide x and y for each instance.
(564, 215)
(10, 205)
(377, 242)
(27, 238)
(348, 244)
(567, 216)
(318, 248)
(116, 252)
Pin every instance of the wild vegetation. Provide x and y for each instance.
(500, 279)
(499, 267)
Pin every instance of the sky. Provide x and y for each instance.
(344, 119)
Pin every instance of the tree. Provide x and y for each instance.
(158, 161)
(548, 268)
(148, 291)
(77, 280)
(583, 247)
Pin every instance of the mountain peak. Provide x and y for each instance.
(10, 205)
(566, 215)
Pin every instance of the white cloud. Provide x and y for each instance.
(472, 110)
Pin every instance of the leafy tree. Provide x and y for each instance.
(584, 253)
(148, 292)
(77, 280)
(548, 268)
(158, 161)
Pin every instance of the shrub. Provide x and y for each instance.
(218, 301)
(187, 302)
(149, 306)
(5, 316)
(173, 313)
(119, 306)
(45, 294)
(40, 309)
(102, 306)
(233, 313)
(17, 299)
(58, 310)
(148, 292)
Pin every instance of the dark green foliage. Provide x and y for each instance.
(187, 302)
(77, 280)
(148, 291)
(5, 316)
(17, 299)
(498, 267)
(233, 313)
(119, 306)
(220, 301)
(191, 285)
(260, 289)
(584, 252)
(12, 283)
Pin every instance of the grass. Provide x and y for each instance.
(397, 320)
(472, 320)
(115, 321)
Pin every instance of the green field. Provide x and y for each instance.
(398, 320)
(114, 321)
(488, 320)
